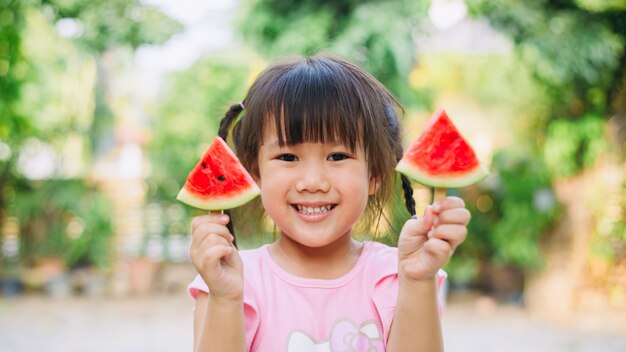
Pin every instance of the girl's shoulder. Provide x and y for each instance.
(381, 260)
(379, 247)
(253, 254)
(255, 260)
(377, 251)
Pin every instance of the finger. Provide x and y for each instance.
(420, 225)
(213, 258)
(208, 253)
(221, 219)
(428, 219)
(212, 240)
(453, 234)
(439, 249)
(459, 216)
(201, 242)
(448, 203)
(205, 249)
(206, 228)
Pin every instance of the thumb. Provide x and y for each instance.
(425, 222)
(415, 233)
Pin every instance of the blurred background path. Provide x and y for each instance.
(163, 323)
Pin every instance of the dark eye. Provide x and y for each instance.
(287, 157)
(338, 156)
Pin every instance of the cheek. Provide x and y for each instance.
(358, 190)
(271, 203)
(272, 180)
(274, 188)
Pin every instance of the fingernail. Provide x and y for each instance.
(436, 207)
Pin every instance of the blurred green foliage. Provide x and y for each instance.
(112, 23)
(58, 73)
(105, 26)
(512, 210)
(62, 218)
(49, 84)
(13, 125)
(572, 145)
(375, 34)
(601, 5)
(560, 42)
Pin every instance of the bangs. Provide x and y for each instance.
(316, 101)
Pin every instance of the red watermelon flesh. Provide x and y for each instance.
(441, 157)
(218, 181)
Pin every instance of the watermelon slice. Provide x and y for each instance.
(441, 157)
(218, 181)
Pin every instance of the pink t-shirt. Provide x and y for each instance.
(284, 312)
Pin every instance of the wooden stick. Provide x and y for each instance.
(439, 194)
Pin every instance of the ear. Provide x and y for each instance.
(373, 186)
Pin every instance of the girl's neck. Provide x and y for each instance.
(329, 262)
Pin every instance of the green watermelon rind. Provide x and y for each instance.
(444, 181)
(218, 203)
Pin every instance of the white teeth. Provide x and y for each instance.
(313, 210)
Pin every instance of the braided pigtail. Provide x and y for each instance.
(225, 123)
(228, 119)
(409, 202)
(395, 140)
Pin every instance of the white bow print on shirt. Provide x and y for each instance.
(345, 336)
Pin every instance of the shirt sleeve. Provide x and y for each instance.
(250, 312)
(385, 297)
(196, 286)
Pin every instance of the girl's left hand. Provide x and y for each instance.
(427, 243)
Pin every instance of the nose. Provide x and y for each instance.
(314, 178)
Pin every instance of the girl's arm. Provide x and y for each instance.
(218, 325)
(425, 245)
(218, 319)
(416, 325)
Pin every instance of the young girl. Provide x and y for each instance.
(321, 138)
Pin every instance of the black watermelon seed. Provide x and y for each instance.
(221, 178)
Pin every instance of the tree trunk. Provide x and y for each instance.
(101, 131)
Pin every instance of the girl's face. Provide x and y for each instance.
(314, 192)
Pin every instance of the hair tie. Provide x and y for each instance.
(241, 105)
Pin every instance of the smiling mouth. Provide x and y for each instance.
(317, 210)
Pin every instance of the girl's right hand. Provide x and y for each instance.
(215, 257)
